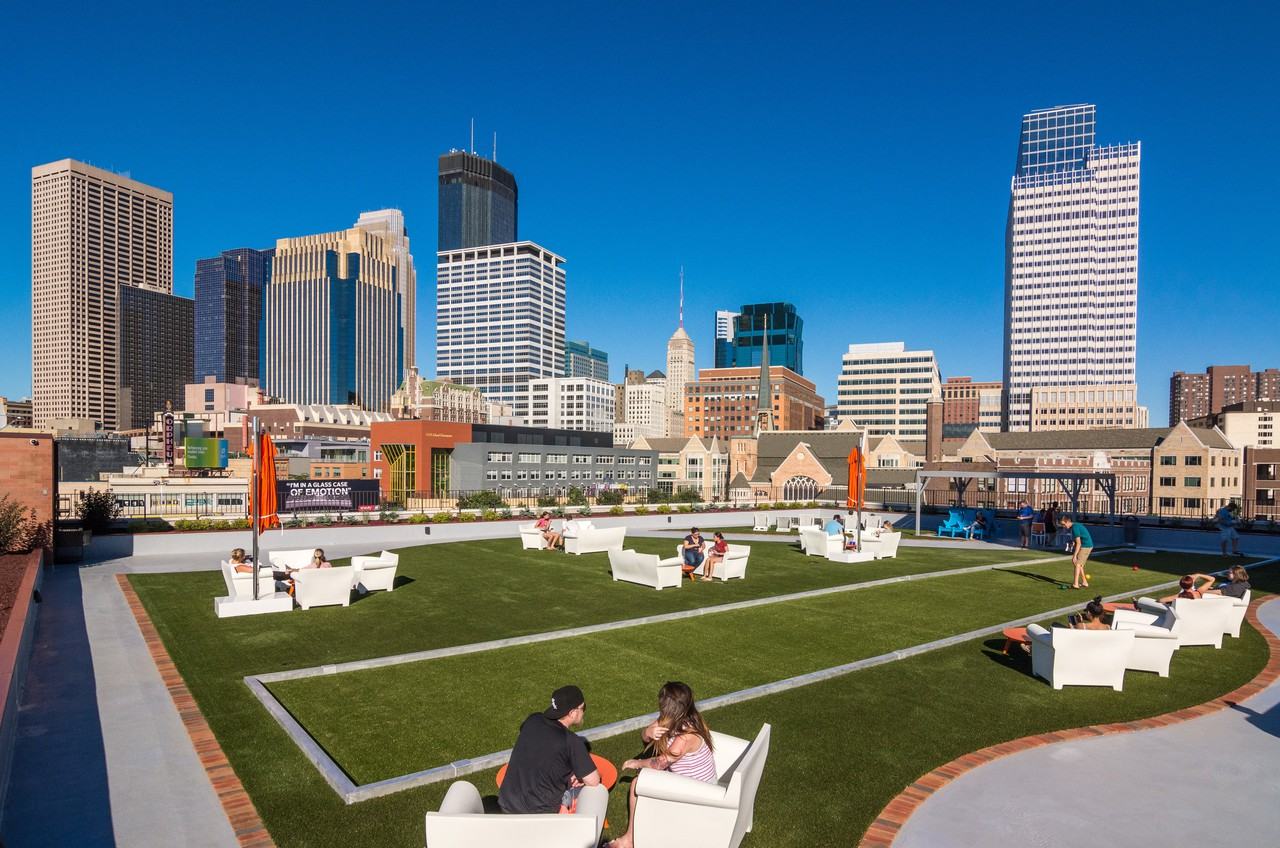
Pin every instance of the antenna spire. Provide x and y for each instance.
(473, 136)
(495, 145)
(681, 295)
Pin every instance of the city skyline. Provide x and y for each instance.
(1196, 245)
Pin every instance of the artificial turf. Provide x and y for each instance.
(864, 735)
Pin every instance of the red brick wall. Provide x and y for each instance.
(27, 474)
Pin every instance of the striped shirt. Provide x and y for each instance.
(699, 764)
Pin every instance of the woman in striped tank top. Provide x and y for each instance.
(681, 743)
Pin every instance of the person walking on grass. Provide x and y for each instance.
(1227, 533)
(550, 763)
(1081, 547)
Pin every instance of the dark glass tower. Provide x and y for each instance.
(155, 353)
(228, 309)
(478, 202)
(785, 336)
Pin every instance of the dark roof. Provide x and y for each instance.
(739, 481)
(890, 478)
(665, 444)
(1137, 439)
(656, 374)
(830, 447)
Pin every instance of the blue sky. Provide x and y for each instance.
(854, 160)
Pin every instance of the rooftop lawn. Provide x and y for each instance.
(864, 735)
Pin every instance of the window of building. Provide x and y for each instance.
(1191, 482)
(1168, 481)
(582, 459)
(1193, 460)
(557, 458)
(498, 456)
(1191, 503)
(1169, 460)
(529, 457)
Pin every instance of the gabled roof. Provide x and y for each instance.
(739, 481)
(830, 447)
(1135, 439)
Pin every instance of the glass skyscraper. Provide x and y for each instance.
(583, 360)
(477, 202)
(786, 337)
(228, 311)
(1071, 268)
(724, 337)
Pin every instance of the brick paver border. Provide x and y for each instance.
(248, 826)
(886, 827)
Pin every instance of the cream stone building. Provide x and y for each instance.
(694, 463)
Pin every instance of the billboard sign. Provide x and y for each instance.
(327, 495)
(205, 453)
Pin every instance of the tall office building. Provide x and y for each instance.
(156, 356)
(724, 338)
(478, 202)
(389, 223)
(571, 403)
(680, 373)
(785, 336)
(331, 330)
(969, 406)
(885, 388)
(583, 360)
(92, 232)
(228, 313)
(1071, 269)
(500, 319)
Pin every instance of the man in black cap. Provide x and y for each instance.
(549, 761)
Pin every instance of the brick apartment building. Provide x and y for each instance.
(1194, 396)
(722, 402)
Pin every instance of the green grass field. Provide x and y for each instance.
(864, 735)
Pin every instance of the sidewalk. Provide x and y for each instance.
(1207, 781)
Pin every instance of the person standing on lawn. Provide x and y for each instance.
(550, 763)
(1082, 546)
(1227, 533)
(1025, 516)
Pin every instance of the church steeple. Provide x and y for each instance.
(764, 406)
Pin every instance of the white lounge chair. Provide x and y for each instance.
(734, 564)
(1235, 616)
(376, 573)
(1067, 657)
(240, 585)
(590, 539)
(1153, 647)
(761, 524)
(319, 587)
(531, 538)
(645, 569)
(884, 546)
(1201, 621)
(674, 811)
(298, 558)
(461, 823)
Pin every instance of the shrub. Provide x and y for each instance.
(466, 516)
(442, 518)
(811, 505)
(481, 500)
(585, 511)
(149, 525)
(576, 497)
(687, 494)
(97, 509)
(388, 516)
(504, 514)
(616, 510)
(293, 521)
(419, 518)
(324, 520)
(685, 508)
(658, 496)
(548, 500)
(610, 497)
(489, 515)
(641, 509)
(663, 509)
(558, 512)
(525, 512)
(17, 526)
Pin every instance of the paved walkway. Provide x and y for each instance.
(1209, 781)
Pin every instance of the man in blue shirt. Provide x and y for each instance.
(835, 528)
(1025, 516)
(1081, 547)
(1227, 532)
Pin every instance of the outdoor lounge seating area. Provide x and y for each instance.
(313, 587)
(487, 597)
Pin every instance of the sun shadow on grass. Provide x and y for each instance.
(1017, 660)
(1031, 575)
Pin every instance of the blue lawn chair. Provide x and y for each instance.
(954, 526)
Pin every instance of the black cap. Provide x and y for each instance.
(564, 700)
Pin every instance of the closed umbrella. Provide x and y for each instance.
(262, 493)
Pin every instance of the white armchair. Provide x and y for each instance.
(645, 569)
(734, 564)
(531, 538)
(376, 573)
(240, 585)
(761, 522)
(814, 541)
(674, 811)
(1153, 647)
(300, 558)
(1200, 621)
(1067, 657)
(319, 587)
(1235, 615)
(884, 546)
(461, 823)
(586, 538)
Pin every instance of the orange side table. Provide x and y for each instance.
(608, 775)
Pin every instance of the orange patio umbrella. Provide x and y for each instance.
(262, 496)
(857, 478)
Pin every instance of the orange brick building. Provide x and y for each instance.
(28, 474)
(723, 402)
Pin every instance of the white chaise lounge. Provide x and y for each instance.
(376, 573)
(583, 537)
(674, 811)
(461, 823)
(645, 569)
(1067, 657)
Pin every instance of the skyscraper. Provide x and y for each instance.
(583, 360)
(331, 330)
(500, 319)
(92, 232)
(156, 358)
(1071, 269)
(785, 334)
(477, 202)
(680, 373)
(724, 338)
(228, 312)
(389, 223)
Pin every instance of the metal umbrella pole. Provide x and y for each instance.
(255, 498)
(857, 484)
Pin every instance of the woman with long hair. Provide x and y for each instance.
(680, 742)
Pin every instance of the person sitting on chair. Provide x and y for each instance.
(549, 763)
(1091, 618)
(1236, 586)
(240, 562)
(979, 524)
(551, 537)
(681, 744)
(1189, 590)
(691, 551)
(715, 556)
